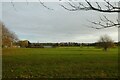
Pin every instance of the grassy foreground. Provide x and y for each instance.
(74, 62)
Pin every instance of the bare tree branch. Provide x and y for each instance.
(42, 3)
(98, 5)
(105, 23)
(13, 5)
(75, 8)
(109, 7)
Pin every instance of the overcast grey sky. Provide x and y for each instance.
(35, 23)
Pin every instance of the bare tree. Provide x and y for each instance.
(8, 37)
(105, 42)
(107, 7)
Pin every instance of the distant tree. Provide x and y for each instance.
(8, 37)
(105, 42)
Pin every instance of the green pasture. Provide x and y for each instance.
(64, 62)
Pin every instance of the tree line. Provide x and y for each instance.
(9, 38)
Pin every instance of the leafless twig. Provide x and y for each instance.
(13, 5)
(105, 23)
(109, 7)
(42, 3)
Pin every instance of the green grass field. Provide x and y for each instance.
(72, 62)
